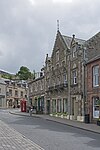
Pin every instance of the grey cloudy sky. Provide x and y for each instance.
(28, 28)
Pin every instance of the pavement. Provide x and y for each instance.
(84, 126)
(10, 139)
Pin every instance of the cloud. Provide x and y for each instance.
(28, 28)
(32, 2)
(62, 1)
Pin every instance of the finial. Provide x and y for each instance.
(57, 25)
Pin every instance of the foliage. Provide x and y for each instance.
(24, 73)
(60, 113)
(7, 76)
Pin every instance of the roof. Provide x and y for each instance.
(93, 47)
(39, 78)
(68, 40)
(93, 59)
(96, 36)
(5, 72)
(2, 81)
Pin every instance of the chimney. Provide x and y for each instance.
(73, 36)
(47, 55)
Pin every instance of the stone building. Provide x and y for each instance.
(15, 92)
(64, 84)
(93, 77)
(64, 74)
(2, 93)
(37, 93)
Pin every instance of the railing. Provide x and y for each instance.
(58, 86)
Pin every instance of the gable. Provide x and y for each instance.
(59, 42)
(93, 46)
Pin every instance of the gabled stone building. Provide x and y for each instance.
(64, 74)
(65, 78)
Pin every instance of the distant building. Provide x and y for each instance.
(37, 93)
(3, 72)
(15, 91)
(2, 93)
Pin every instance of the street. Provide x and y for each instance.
(51, 135)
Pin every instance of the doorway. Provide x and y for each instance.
(48, 106)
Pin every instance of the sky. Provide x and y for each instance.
(28, 28)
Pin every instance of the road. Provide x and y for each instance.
(51, 135)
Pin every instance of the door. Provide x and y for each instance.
(48, 106)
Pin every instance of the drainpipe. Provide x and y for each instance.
(69, 89)
(84, 83)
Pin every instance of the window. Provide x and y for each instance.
(36, 86)
(95, 76)
(21, 94)
(41, 85)
(74, 77)
(16, 93)
(57, 56)
(57, 66)
(48, 82)
(10, 92)
(73, 51)
(65, 78)
(65, 105)
(54, 105)
(31, 88)
(96, 107)
(63, 63)
(59, 105)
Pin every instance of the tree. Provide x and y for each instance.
(24, 73)
(7, 76)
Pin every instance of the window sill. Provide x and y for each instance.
(73, 85)
(96, 86)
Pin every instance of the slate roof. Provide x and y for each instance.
(68, 40)
(2, 81)
(93, 59)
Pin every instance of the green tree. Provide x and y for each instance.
(7, 76)
(24, 73)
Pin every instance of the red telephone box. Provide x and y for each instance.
(23, 105)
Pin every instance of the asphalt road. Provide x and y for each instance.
(51, 135)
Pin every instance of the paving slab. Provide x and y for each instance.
(10, 139)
